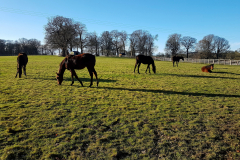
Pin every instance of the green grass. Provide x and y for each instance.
(177, 113)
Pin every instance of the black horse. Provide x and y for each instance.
(22, 61)
(176, 59)
(145, 60)
(77, 62)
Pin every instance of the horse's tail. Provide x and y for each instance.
(153, 67)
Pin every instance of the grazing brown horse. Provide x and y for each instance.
(80, 61)
(145, 60)
(176, 59)
(22, 61)
(207, 68)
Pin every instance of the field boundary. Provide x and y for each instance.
(193, 60)
(207, 61)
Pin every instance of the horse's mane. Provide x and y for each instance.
(62, 66)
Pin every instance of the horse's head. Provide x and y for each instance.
(182, 58)
(154, 68)
(59, 78)
(212, 65)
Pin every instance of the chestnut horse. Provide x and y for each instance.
(22, 61)
(176, 59)
(80, 61)
(207, 68)
(145, 60)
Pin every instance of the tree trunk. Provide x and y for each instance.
(64, 52)
(217, 53)
(96, 51)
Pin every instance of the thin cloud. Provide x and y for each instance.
(235, 44)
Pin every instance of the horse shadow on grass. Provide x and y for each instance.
(173, 92)
(89, 80)
(227, 73)
(53, 78)
(201, 76)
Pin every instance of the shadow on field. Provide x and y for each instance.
(89, 80)
(75, 80)
(227, 73)
(172, 92)
(199, 76)
(42, 78)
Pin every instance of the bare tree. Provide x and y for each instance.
(142, 42)
(82, 36)
(142, 37)
(33, 46)
(188, 42)
(211, 44)
(133, 43)
(61, 32)
(173, 44)
(150, 44)
(23, 42)
(116, 40)
(48, 49)
(106, 42)
(2, 46)
(93, 43)
(123, 40)
(9, 47)
(220, 45)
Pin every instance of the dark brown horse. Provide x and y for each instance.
(207, 68)
(145, 60)
(176, 59)
(81, 61)
(22, 61)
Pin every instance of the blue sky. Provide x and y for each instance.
(195, 18)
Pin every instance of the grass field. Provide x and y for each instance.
(177, 113)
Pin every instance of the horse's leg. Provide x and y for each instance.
(177, 63)
(147, 68)
(138, 67)
(90, 70)
(17, 73)
(24, 68)
(95, 73)
(173, 63)
(135, 66)
(20, 72)
(73, 73)
(72, 76)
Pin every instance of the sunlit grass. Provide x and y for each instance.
(177, 113)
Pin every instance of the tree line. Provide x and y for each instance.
(65, 35)
(210, 46)
(10, 47)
